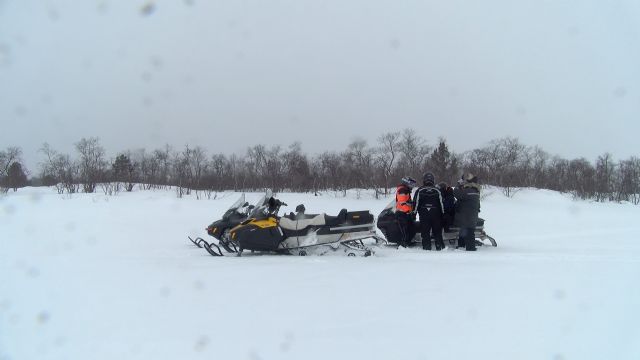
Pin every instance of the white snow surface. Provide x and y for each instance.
(90, 276)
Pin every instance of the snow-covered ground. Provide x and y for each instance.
(90, 276)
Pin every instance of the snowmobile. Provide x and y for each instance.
(388, 224)
(303, 234)
(219, 229)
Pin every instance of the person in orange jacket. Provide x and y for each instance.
(404, 211)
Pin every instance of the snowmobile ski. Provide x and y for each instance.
(210, 249)
(197, 242)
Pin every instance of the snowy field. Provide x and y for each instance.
(95, 277)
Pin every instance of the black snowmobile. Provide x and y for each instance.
(388, 224)
(219, 229)
(303, 234)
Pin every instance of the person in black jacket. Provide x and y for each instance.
(428, 205)
(449, 203)
(467, 208)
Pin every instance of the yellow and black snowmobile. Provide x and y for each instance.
(302, 234)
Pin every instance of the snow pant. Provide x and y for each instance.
(405, 225)
(447, 221)
(467, 238)
(431, 223)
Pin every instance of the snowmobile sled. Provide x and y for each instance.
(388, 224)
(303, 234)
(219, 229)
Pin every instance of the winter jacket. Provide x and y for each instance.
(403, 199)
(428, 197)
(467, 205)
(449, 201)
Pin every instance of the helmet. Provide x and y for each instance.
(409, 181)
(470, 178)
(300, 208)
(429, 179)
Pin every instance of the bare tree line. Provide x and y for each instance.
(504, 162)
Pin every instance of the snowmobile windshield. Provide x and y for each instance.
(391, 205)
(264, 200)
(238, 204)
(261, 205)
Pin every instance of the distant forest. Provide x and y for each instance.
(377, 166)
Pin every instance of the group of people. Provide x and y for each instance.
(438, 207)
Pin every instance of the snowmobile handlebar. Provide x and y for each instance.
(274, 205)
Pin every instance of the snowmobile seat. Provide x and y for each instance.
(306, 216)
(299, 224)
(299, 216)
(337, 220)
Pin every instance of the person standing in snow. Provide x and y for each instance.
(404, 210)
(428, 200)
(449, 202)
(467, 195)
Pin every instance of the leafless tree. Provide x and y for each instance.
(328, 167)
(581, 178)
(296, 171)
(238, 175)
(148, 168)
(539, 160)
(61, 168)
(191, 165)
(256, 165)
(180, 173)
(162, 157)
(605, 167)
(386, 154)
(273, 169)
(358, 163)
(7, 158)
(414, 150)
(628, 181)
(557, 173)
(92, 162)
(504, 158)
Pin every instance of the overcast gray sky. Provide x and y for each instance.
(226, 74)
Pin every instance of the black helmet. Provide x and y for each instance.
(409, 181)
(429, 179)
(300, 208)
